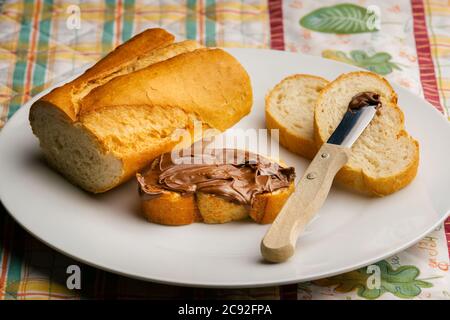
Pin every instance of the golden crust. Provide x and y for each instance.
(171, 83)
(170, 208)
(174, 209)
(356, 179)
(359, 181)
(266, 206)
(139, 45)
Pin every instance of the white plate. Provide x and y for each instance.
(350, 231)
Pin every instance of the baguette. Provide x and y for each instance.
(290, 109)
(385, 157)
(181, 197)
(103, 127)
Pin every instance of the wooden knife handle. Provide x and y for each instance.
(310, 193)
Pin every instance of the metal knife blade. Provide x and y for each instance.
(352, 125)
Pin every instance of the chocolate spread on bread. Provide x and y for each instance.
(232, 174)
(365, 99)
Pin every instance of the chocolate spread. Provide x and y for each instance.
(365, 99)
(235, 175)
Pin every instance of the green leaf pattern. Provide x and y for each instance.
(345, 18)
(379, 62)
(401, 282)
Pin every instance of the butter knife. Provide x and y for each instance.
(278, 244)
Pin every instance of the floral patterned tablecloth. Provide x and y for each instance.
(41, 42)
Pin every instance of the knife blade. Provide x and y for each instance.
(279, 242)
(352, 125)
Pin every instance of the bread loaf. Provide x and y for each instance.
(104, 126)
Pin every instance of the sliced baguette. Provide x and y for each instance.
(385, 158)
(174, 208)
(101, 128)
(290, 109)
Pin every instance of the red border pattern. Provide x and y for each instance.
(276, 24)
(423, 48)
(426, 67)
(447, 232)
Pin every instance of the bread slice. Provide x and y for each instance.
(385, 158)
(290, 109)
(103, 127)
(174, 208)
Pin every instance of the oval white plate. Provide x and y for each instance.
(350, 231)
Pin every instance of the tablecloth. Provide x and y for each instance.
(42, 41)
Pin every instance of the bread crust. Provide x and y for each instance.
(355, 178)
(140, 45)
(266, 206)
(170, 82)
(175, 209)
(293, 142)
(167, 84)
(172, 208)
(361, 182)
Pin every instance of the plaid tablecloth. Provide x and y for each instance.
(40, 44)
